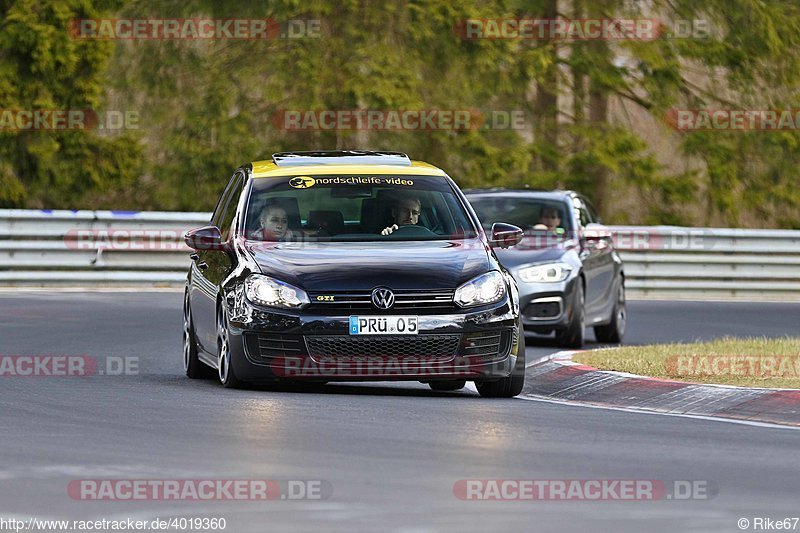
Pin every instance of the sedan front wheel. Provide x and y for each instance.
(614, 331)
(573, 336)
(227, 376)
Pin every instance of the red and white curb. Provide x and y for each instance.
(557, 377)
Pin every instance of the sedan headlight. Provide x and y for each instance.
(485, 289)
(264, 290)
(545, 273)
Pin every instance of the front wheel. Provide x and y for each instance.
(512, 385)
(194, 368)
(227, 376)
(573, 336)
(614, 331)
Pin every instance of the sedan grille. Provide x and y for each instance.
(404, 299)
(428, 348)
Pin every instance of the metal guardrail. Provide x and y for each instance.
(116, 248)
(706, 263)
(94, 248)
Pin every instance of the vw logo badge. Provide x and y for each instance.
(382, 298)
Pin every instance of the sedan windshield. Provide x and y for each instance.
(530, 214)
(355, 208)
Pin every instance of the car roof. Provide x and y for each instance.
(342, 162)
(529, 193)
(268, 169)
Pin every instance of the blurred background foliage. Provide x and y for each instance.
(594, 110)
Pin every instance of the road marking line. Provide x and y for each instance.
(649, 412)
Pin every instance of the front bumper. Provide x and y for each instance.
(267, 345)
(547, 306)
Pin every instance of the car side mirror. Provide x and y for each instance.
(505, 235)
(205, 238)
(597, 235)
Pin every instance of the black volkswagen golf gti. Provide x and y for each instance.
(351, 265)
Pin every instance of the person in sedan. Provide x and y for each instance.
(405, 212)
(274, 223)
(549, 219)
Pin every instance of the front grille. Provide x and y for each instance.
(404, 299)
(266, 346)
(430, 348)
(487, 345)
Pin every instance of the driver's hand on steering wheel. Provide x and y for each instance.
(390, 229)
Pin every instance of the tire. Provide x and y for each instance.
(614, 331)
(573, 335)
(194, 368)
(448, 385)
(512, 385)
(225, 372)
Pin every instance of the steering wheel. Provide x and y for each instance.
(412, 231)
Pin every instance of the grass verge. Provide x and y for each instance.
(745, 362)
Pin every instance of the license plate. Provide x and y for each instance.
(383, 325)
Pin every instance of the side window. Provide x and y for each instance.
(585, 218)
(592, 211)
(223, 202)
(581, 211)
(232, 202)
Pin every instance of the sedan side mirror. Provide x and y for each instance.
(205, 238)
(597, 235)
(505, 235)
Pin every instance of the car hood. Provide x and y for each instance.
(333, 266)
(515, 256)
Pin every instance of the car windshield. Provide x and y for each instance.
(530, 214)
(355, 208)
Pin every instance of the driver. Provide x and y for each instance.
(405, 212)
(549, 219)
(274, 224)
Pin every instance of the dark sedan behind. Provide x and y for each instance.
(568, 272)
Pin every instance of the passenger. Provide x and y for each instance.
(549, 219)
(275, 224)
(405, 212)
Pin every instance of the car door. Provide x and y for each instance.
(211, 266)
(598, 261)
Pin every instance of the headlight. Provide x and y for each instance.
(546, 273)
(263, 290)
(485, 289)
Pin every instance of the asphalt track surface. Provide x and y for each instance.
(391, 453)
